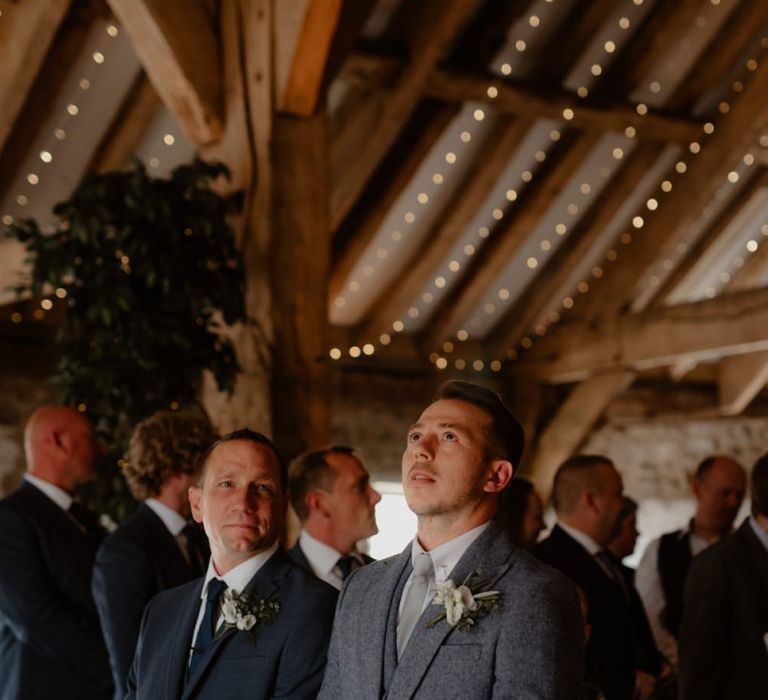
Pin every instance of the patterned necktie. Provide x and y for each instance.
(205, 634)
(423, 573)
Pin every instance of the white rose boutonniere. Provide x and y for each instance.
(244, 612)
(465, 604)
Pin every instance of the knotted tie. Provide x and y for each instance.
(84, 519)
(423, 573)
(207, 625)
(346, 565)
(607, 563)
(198, 559)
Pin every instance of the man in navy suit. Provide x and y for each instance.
(331, 493)
(50, 642)
(157, 547)
(257, 625)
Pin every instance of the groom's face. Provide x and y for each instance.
(240, 502)
(445, 466)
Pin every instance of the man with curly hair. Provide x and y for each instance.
(157, 547)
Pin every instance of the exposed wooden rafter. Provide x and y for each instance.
(179, 50)
(727, 325)
(739, 380)
(27, 30)
(435, 28)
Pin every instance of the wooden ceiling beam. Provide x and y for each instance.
(544, 295)
(487, 166)
(27, 30)
(727, 325)
(386, 186)
(707, 245)
(739, 380)
(515, 99)
(491, 260)
(754, 272)
(302, 51)
(735, 134)
(571, 424)
(435, 28)
(124, 136)
(179, 50)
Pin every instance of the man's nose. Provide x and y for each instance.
(424, 449)
(373, 496)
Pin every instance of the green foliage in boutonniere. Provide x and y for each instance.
(465, 604)
(246, 612)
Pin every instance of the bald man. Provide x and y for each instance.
(50, 640)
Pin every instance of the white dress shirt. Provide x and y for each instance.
(60, 497)
(323, 559)
(444, 560)
(236, 579)
(173, 521)
(648, 584)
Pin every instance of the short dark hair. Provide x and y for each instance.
(759, 483)
(163, 445)
(506, 439)
(707, 463)
(248, 435)
(574, 476)
(309, 472)
(513, 507)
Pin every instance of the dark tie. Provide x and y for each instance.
(198, 557)
(204, 637)
(347, 564)
(84, 519)
(609, 565)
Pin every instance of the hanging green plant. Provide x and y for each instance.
(148, 269)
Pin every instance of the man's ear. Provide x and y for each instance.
(500, 475)
(315, 501)
(196, 503)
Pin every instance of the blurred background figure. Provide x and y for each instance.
(718, 485)
(330, 492)
(624, 540)
(50, 642)
(158, 546)
(521, 513)
(724, 629)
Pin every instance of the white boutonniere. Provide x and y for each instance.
(465, 604)
(245, 612)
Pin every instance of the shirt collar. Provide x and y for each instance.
(237, 579)
(171, 519)
(322, 558)
(60, 497)
(582, 538)
(447, 555)
(762, 535)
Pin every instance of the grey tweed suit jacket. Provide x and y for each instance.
(533, 647)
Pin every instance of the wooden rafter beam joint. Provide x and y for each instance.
(179, 50)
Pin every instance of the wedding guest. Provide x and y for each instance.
(521, 513)
(399, 630)
(724, 628)
(157, 547)
(718, 486)
(331, 494)
(50, 640)
(587, 496)
(625, 538)
(256, 625)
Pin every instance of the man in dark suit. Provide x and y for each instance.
(331, 494)
(157, 547)
(257, 625)
(587, 495)
(724, 630)
(50, 642)
(401, 631)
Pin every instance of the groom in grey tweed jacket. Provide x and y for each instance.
(459, 457)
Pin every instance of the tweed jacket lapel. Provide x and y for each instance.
(489, 554)
(398, 574)
(264, 584)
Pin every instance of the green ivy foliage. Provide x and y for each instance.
(148, 269)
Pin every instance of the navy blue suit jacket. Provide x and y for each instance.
(285, 659)
(50, 640)
(611, 653)
(136, 562)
